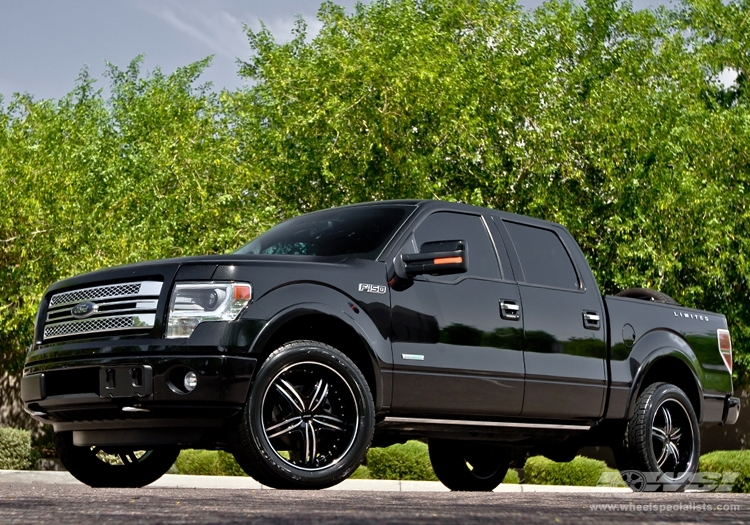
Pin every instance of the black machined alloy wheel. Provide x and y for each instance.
(310, 412)
(113, 466)
(309, 418)
(469, 466)
(663, 437)
(673, 453)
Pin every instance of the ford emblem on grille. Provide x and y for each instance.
(83, 310)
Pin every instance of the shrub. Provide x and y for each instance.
(726, 461)
(208, 463)
(512, 477)
(42, 446)
(409, 461)
(15, 449)
(582, 471)
(361, 473)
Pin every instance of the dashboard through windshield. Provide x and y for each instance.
(357, 231)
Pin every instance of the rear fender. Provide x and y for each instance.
(652, 349)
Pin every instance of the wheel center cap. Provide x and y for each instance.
(307, 417)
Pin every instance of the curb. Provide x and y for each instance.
(12, 477)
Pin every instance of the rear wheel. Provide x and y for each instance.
(309, 419)
(113, 466)
(468, 466)
(662, 439)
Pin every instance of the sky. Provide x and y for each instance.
(44, 44)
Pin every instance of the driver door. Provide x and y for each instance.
(457, 339)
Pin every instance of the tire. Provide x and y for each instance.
(645, 294)
(308, 421)
(113, 466)
(469, 466)
(662, 440)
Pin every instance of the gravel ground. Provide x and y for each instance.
(63, 504)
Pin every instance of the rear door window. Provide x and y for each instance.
(544, 259)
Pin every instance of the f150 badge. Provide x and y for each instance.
(372, 288)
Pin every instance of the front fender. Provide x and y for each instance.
(283, 305)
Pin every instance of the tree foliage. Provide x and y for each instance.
(608, 120)
(151, 172)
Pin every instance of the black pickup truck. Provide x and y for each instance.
(478, 331)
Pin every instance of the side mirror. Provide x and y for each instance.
(436, 258)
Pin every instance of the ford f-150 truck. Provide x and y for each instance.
(475, 330)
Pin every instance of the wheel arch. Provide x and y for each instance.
(357, 338)
(673, 365)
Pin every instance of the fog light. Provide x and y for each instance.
(191, 381)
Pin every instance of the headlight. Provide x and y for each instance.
(194, 303)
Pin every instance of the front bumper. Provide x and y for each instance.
(73, 396)
(731, 410)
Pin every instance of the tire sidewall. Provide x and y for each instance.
(449, 465)
(87, 468)
(661, 394)
(311, 351)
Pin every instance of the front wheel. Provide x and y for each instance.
(662, 440)
(309, 419)
(113, 466)
(467, 466)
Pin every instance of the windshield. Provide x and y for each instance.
(359, 231)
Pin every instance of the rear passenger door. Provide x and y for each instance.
(564, 336)
(456, 351)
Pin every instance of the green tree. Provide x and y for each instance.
(608, 120)
(151, 172)
(595, 115)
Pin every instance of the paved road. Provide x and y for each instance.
(63, 504)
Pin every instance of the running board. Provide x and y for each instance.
(414, 423)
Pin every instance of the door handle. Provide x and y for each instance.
(510, 311)
(591, 320)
